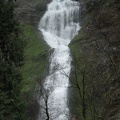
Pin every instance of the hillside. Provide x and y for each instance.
(36, 52)
(96, 61)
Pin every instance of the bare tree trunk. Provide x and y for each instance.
(47, 109)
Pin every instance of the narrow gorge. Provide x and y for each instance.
(59, 59)
(59, 26)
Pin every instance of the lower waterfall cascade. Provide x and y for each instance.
(59, 25)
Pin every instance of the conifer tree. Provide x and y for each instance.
(11, 58)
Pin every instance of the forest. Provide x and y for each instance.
(11, 59)
(94, 92)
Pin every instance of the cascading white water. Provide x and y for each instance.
(59, 26)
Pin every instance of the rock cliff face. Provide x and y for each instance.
(96, 54)
(30, 11)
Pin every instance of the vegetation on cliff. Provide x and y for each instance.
(96, 53)
(23, 58)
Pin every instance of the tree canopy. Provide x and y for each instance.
(11, 58)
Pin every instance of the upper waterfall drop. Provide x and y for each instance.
(61, 19)
(59, 26)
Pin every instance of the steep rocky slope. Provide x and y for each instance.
(28, 13)
(96, 52)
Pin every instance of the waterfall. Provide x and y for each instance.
(59, 26)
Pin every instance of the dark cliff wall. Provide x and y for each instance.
(30, 11)
(96, 59)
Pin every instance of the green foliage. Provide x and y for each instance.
(21, 65)
(11, 57)
(36, 58)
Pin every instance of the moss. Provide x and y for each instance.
(36, 58)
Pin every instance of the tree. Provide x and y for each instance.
(11, 58)
(48, 107)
